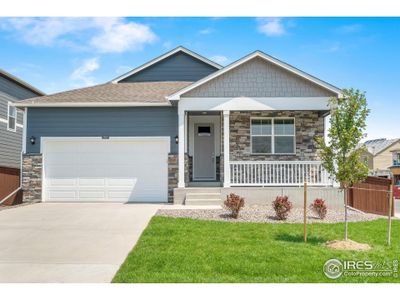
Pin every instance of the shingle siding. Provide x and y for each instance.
(87, 122)
(178, 67)
(258, 78)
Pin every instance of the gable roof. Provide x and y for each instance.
(108, 94)
(164, 56)
(336, 90)
(376, 146)
(20, 82)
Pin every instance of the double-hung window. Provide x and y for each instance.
(11, 117)
(273, 136)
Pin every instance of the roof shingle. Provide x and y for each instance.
(136, 92)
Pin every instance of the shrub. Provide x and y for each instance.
(234, 203)
(282, 207)
(319, 207)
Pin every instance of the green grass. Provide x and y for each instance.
(186, 250)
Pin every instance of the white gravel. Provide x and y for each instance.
(265, 214)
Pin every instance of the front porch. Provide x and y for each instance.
(250, 149)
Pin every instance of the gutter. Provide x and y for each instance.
(91, 104)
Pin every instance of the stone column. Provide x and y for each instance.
(32, 177)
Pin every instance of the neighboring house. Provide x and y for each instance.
(12, 89)
(381, 154)
(178, 126)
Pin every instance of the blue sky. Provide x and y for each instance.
(56, 54)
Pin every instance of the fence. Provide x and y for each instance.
(371, 196)
(9, 182)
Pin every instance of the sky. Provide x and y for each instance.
(57, 54)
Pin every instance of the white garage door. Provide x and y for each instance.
(112, 170)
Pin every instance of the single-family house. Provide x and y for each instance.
(178, 128)
(380, 155)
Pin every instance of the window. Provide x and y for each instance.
(272, 136)
(12, 117)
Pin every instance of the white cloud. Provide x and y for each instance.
(219, 59)
(353, 28)
(82, 75)
(271, 26)
(120, 36)
(107, 34)
(206, 31)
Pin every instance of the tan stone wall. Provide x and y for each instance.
(308, 124)
(32, 177)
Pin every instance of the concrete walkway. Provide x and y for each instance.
(75, 242)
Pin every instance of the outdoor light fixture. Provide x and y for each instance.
(33, 140)
(176, 139)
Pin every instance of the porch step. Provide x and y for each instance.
(203, 198)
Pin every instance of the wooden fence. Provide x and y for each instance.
(371, 196)
(9, 182)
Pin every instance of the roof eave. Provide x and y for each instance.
(91, 104)
(21, 83)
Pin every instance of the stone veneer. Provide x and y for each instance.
(32, 177)
(309, 124)
(172, 175)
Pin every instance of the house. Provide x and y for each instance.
(12, 89)
(178, 128)
(380, 155)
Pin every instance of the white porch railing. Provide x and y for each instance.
(278, 173)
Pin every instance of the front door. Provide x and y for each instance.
(204, 152)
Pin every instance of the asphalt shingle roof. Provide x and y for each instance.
(376, 146)
(142, 92)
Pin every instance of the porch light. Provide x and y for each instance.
(176, 139)
(32, 140)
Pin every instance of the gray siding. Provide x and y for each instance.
(10, 147)
(258, 78)
(88, 122)
(14, 90)
(178, 67)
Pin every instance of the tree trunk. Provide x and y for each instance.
(346, 224)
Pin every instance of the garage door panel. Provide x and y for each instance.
(91, 182)
(60, 182)
(62, 195)
(106, 170)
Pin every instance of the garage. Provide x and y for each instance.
(105, 169)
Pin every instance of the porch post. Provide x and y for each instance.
(181, 148)
(227, 172)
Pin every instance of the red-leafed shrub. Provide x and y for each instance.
(282, 207)
(319, 207)
(234, 203)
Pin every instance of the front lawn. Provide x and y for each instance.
(186, 250)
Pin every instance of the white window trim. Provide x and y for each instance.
(273, 135)
(9, 104)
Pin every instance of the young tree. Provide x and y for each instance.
(341, 155)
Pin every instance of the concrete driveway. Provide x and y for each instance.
(49, 242)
